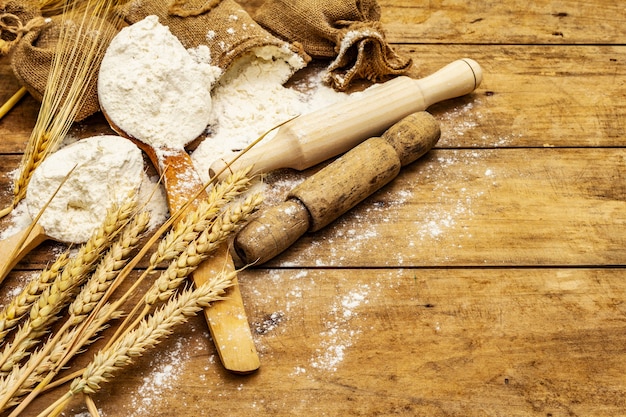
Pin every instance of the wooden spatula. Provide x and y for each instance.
(228, 322)
(14, 248)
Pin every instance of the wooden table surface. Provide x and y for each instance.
(487, 280)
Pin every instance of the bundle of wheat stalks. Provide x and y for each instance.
(83, 289)
(85, 26)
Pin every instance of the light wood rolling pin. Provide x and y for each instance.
(336, 188)
(315, 137)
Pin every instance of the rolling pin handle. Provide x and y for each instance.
(456, 79)
(271, 232)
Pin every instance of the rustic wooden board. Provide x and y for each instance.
(510, 22)
(487, 280)
(484, 207)
(436, 342)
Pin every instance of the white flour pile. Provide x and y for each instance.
(108, 170)
(153, 88)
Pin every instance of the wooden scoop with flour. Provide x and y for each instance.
(153, 92)
(72, 204)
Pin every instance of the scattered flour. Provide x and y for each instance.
(340, 334)
(153, 88)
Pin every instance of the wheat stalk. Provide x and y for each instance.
(186, 230)
(200, 249)
(223, 225)
(108, 269)
(11, 315)
(150, 332)
(14, 99)
(195, 221)
(43, 312)
(197, 251)
(188, 261)
(74, 67)
(44, 364)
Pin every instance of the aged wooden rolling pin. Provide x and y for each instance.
(336, 188)
(315, 137)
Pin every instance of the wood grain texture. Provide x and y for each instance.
(432, 342)
(487, 279)
(483, 208)
(511, 22)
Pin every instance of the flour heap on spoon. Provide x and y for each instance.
(161, 95)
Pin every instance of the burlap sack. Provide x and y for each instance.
(17, 18)
(222, 25)
(33, 55)
(347, 30)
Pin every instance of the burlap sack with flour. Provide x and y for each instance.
(33, 55)
(347, 30)
(222, 25)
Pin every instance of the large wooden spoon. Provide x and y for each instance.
(227, 320)
(53, 195)
(143, 60)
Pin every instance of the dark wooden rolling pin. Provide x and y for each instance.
(336, 188)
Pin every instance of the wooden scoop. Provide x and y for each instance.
(227, 320)
(14, 248)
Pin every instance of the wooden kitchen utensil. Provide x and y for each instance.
(15, 247)
(320, 135)
(336, 188)
(227, 320)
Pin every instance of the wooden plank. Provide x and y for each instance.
(504, 207)
(436, 342)
(533, 96)
(530, 97)
(510, 22)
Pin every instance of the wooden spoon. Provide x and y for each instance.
(155, 77)
(15, 247)
(227, 320)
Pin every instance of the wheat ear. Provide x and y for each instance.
(20, 383)
(43, 312)
(188, 261)
(11, 315)
(188, 228)
(90, 294)
(150, 332)
(200, 249)
(185, 230)
(73, 67)
(108, 269)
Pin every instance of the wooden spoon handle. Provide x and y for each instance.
(227, 319)
(14, 248)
